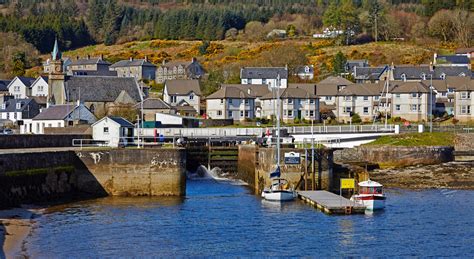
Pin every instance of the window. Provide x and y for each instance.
(397, 95)
(347, 98)
(290, 113)
(311, 101)
(241, 113)
(4, 106)
(366, 98)
(450, 90)
(328, 98)
(246, 101)
(249, 81)
(397, 107)
(191, 97)
(423, 76)
(18, 105)
(347, 109)
(92, 108)
(366, 110)
(219, 113)
(404, 77)
(465, 109)
(311, 113)
(230, 114)
(264, 81)
(290, 101)
(465, 95)
(306, 113)
(246, 114)
(222, 101)
(443, 94)
(413, 107)
(415, 95)
(106, 130)
(377, 97)
(173, 99)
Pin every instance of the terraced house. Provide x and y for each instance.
(363, 99)
(184, 96)
(411, 100)
(140, 69)
(464, 100)
(231, 102)
(179, 70)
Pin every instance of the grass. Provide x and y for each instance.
(416, 139)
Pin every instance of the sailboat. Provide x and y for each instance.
(280, 189)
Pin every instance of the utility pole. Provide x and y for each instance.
(431, 102)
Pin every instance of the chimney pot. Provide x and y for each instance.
(131, 59)
(88, 56)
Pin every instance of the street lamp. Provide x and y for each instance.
(431, 102)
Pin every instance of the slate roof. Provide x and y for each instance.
(369, 73)
(368, 89)
(464, 50)
(27, 81)
(350, 64)
(56, 112)
(176, 63)
(132, 63)
(263, 72)
(255, 89)
(11, 105)
(326, 89)
(100, 88)
(153, 103)
(293, 92)
(89, 61)
(94, 73)
(336, 80)
(182, 87)
(4, 85)
(453, 59)
(417, 72)
(409, 87)
(231, 92)
(122, 122)
(310, 88)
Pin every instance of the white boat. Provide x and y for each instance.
(370, 195)
(280, 189)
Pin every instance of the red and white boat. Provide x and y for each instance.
(371, 195)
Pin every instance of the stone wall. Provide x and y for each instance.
(464, 142)
(52, 176)
(395, 156)
(255, 165)
(38, 141)
(216, 122)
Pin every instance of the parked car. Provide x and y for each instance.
(6, 132)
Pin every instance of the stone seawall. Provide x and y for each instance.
(464, 142)
(255, 165)
(396, 156)
(51, 176)
(38, 141)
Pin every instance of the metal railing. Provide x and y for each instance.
(89, 143)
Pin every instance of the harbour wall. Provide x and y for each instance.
(464, 142)
(255, 165)
(395, 156)
(39, 141)
(53, 176)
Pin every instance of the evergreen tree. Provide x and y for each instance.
(19, 63)
(339, 63)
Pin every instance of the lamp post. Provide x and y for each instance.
(431, 102)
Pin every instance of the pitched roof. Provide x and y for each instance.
(305, 69)
(327, 89)
(11, 105)
(176, 63)
(153, 103)
(293, 92)
(464, 50)
(27, 81)
(89, 61)
(336, 81)
(409, 87)
(4, 85)
(417, 72)
(453, 59)
(100, 72)
(367, 89)
(132, 63)
(56, 112)
(369, 73)
(255, 90)
(310, 88)
(122, 122)
(182, 87)
(263, 72)
(100, 88)
(231, 92)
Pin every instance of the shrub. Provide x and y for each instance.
(356, 118)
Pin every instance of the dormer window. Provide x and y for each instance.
(191, 97)
(423, 76)
(404, 77)
(306, 69)
(443, 76)
(462, 74)
(18, 106)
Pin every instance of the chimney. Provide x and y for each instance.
(431, 66)
(249, 91)
(131, 59)
(163, 62)
(193, 60)
(88, 56)
(101, 56)
(435, 56)
(77, 57)
(146, 58)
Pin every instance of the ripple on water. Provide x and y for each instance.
(222, 219)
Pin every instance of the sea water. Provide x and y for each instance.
(224, 219)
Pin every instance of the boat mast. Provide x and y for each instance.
(278, 120)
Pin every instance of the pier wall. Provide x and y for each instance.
(39, 141)
(53, 176)
(464, 142)
(255, 165)
(395, 156)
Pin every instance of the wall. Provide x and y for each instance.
(464, 142)
(395, 156)
(54, 176)
(38, 141)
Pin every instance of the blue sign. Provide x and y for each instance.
(292, 158)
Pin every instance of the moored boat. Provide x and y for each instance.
(280, 190)
(371, 195)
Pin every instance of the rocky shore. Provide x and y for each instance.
(450, 175)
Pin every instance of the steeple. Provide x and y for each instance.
(56, 54)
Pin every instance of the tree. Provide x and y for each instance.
(339, 63)
(293, 57)
(291, 30)
(19, 63)
(441, 25)
(95, 17)
(463, 27)
(375, 12)
(203, 47)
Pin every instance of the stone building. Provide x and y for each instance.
(179, 70)
(138, 68)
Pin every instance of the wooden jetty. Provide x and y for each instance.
(331, 203)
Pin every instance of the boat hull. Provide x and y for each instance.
(370, 202)
(279, 195)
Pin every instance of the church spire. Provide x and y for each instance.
(56, 54)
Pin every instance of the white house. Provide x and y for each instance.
(265, 75)
(114, 130)
(58, 116)
(20, 87)
(362, 99)
(183, 93)
(231, 102)
(40, 86)
(411, 101)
